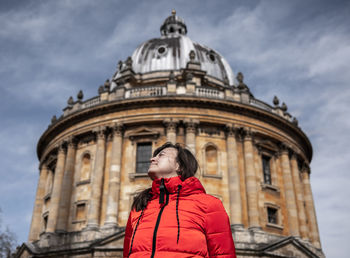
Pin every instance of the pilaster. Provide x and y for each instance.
(233, 177)
(114, 176)
(191, 128)
(97, 180)
(251, 181)
(170, 125)
(310, 209)
(67, 185)
(35, 226)
(56, 190)
(299, 197)
(289, 192)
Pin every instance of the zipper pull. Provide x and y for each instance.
(161, 191)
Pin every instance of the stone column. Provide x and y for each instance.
(251, 181)
(310, 209)
(170, 125)
(299, 197)
(289, 193)
(63, 214)
(233, 177)
(97, 180)
(56, 190)
(35, 226)
(114, 177)
(191, 126)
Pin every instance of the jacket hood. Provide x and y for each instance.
(189, 186)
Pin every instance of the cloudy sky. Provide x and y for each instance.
(297, 50)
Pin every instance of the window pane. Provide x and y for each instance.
(266, 169)
(45, 221)
(143, 155)
(272, 215)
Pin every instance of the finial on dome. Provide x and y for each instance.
(173, 12)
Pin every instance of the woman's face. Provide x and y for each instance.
(164, 164)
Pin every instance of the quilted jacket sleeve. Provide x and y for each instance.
(218, 231)
(127, 238)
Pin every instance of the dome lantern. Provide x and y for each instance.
(173, 25)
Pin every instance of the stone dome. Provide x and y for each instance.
(172, 52)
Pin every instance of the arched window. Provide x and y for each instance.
(211, 160)
(85, 167)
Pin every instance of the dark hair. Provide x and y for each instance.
(188, 166)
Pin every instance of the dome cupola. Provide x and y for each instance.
(173, 25)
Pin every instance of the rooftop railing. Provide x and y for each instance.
(91, 102)
(145, 92)
(155, 91)
(260, 104)
(209, 93)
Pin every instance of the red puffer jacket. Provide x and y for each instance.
(180, 220)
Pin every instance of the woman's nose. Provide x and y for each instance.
(153, 158)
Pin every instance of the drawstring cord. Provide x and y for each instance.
(163, 191)
(177, 213)
(133, 235)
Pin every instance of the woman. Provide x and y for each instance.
(175, 217)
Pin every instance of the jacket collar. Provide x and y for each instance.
(189, 186)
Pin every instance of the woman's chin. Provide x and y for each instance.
(152, 174)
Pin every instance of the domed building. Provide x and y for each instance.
(94, 158)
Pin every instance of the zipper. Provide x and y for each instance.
(162, 186)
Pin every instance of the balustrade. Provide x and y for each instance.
(209, 93)
(260, 104)
(145, 92)
(91, 102)
(155, 91)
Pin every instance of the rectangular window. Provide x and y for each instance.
(266, 169)
(272, 215)
(80, 212)
(46, 218)
(143, 156)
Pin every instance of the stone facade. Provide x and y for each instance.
(252, 156)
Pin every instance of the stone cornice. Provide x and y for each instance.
(176, 101)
